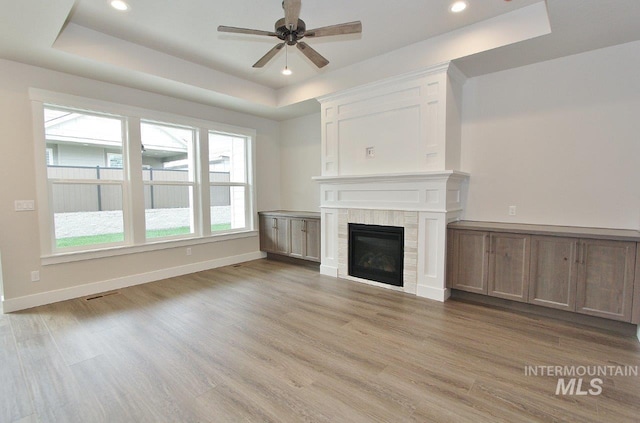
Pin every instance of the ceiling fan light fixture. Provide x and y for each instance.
(291, 30)
(286, 71)
(458, 6)
(119, 5)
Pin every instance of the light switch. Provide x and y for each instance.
(24, 205)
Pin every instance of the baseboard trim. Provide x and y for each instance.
(437, 294)
(328, 270)
(293, 260)
(35, 300)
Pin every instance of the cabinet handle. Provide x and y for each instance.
(304, 226)
(578, 250)
(584, 252)
(275, 223)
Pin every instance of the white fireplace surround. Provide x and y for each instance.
(422, 202)
(390, 154)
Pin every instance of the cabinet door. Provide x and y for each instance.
(267, 234)
(469, 257)
(312, 232)
(296, 238)
(553, 275)
(281, 235)
(605, 278)
(509, 266)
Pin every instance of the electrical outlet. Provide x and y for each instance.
(35, 276)
(512, 210)
(189, 251)
(370, 152)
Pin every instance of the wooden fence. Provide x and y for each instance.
(100, 197)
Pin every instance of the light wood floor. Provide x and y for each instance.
(272, 342)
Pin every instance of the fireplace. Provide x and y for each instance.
(376, 253)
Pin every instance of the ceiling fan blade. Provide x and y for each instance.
(339, 29)
(235, 30)
(265, 59)
(291, 13)
(313, 55)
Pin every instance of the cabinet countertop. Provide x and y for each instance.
(551, 230)
(291, 213)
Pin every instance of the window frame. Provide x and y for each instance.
(246, 185)
(192, 183)
(132, 184)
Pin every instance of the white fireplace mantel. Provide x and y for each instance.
(417, 191)
(423, 203)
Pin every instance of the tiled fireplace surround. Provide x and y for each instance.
(405, 219)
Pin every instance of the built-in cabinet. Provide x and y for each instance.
(304, 238)
(274, 234)
(470, 260)
(553, 272)
(293, 234)
(496, 264)
(574, 269)
(509, 266)
(605, 278)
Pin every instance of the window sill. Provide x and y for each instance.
(129, 249)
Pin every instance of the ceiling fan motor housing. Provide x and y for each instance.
(288, 36)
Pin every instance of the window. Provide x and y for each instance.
(116, 180)
(49, 156)
(86, 196)
(114, 160)
(228, 181)
(168, 173)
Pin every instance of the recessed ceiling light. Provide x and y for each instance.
(458, 6)
(119, 5)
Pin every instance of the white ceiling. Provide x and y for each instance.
(172, 47)
(189, 32)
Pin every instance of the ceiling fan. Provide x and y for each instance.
(291, 29)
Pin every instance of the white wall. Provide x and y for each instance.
(19, 240)
(559, 139)
(300, 146)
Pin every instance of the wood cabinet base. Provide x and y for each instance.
(291, 234)
(582, 270)
(622, 328)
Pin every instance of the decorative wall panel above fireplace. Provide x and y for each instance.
(406, 124)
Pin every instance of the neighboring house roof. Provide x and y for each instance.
(62, 126)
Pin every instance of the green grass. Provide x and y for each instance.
(220, 227)
(80, 241)
(77, 241)
(160, 233)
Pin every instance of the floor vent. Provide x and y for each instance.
(106, 294)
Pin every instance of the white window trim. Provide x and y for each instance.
(48, 255)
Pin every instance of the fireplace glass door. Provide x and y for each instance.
(376, 253)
